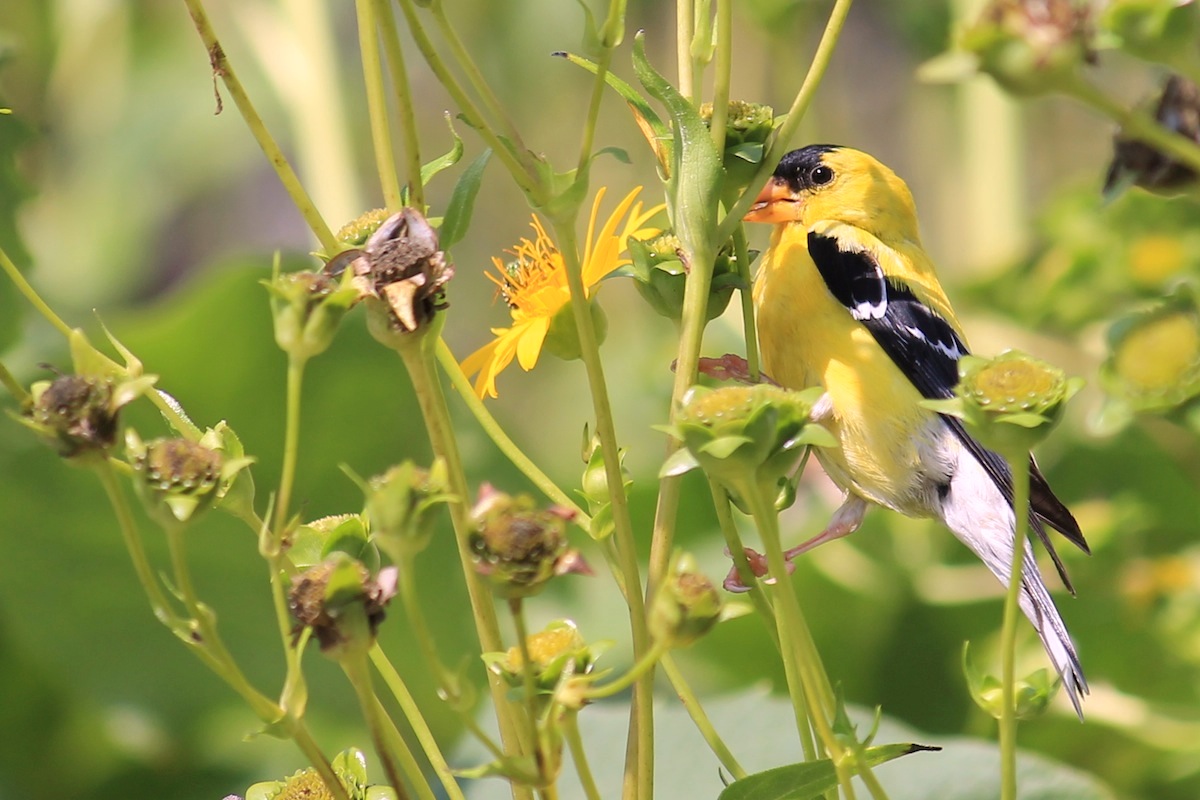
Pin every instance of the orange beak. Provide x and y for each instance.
(775, 203)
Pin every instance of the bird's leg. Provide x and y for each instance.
(758, 565)
(729, 367)
(846, 521)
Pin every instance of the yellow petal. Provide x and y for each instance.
(529, 345)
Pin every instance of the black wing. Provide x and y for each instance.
(926, 348)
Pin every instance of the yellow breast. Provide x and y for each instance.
(809, 339)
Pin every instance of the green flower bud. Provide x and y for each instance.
(402, 505)
(519, 547)
(1161, 31)
(556, 652)
(406, 275)
(660, 276)
(1031, 47)
(594, 485)
(1154, 356)
(747, 128)
(350, 767)
(307, 308)
(740, 433)
(562, 340)
(686, 605)
(1031, 694)
(1141, 164)
(341, 603)
(178, 478)
(1009, 402)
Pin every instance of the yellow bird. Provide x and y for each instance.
(848, 300)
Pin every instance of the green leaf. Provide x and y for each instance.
(462, 202)
(681, 461)
(695, 182)
(446, 161)
(809, 779)
(15, 134)
(657, 134)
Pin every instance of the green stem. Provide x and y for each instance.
(410, 598)
(463, 56)
(201, 630)
(741, 253)
(404, 101)
(523, 174)
(377, 108)
(31, 295)
(700, 718)
(643, 667)
(1137, 124)
(570, 728)
(737, 552)
(14, 388)
(528, 687)
(391, 750)
(133, 543)
(724, 69)
(291, 451)
(816, 71)
(317, 759)
(419, 363)
(685, 21)
(642, 744)
(1019, 468)
(421, 729)
(501, 439)
(287, 176)
(593, 114)
(806, 704)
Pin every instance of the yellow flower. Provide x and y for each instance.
(535, 286)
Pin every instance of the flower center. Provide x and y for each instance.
(1008, 381)
(1159, 355)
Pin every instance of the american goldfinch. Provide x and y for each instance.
(848, 300)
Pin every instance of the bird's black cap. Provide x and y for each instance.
(796, 167)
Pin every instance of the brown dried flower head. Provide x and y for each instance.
(403, 267)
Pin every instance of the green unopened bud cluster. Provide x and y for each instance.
(745, 433)
(1031, 47)
(179, 478)
(1009, 402)
(661, 277)
(518, 547)
(307, 308)
(557, 652)
(747, 128)
(350, 767)
(686, 605)
(402, 505)
(1161, 31)
(1031, 694)
(562, 339)
(357, 231)
(1154, 356)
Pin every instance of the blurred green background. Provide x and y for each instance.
(122, 192)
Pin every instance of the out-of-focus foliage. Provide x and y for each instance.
(163, 217)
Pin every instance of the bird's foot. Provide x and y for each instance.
(758, 566)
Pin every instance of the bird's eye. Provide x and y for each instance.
(821, 175)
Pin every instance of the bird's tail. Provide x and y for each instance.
(985, 524)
